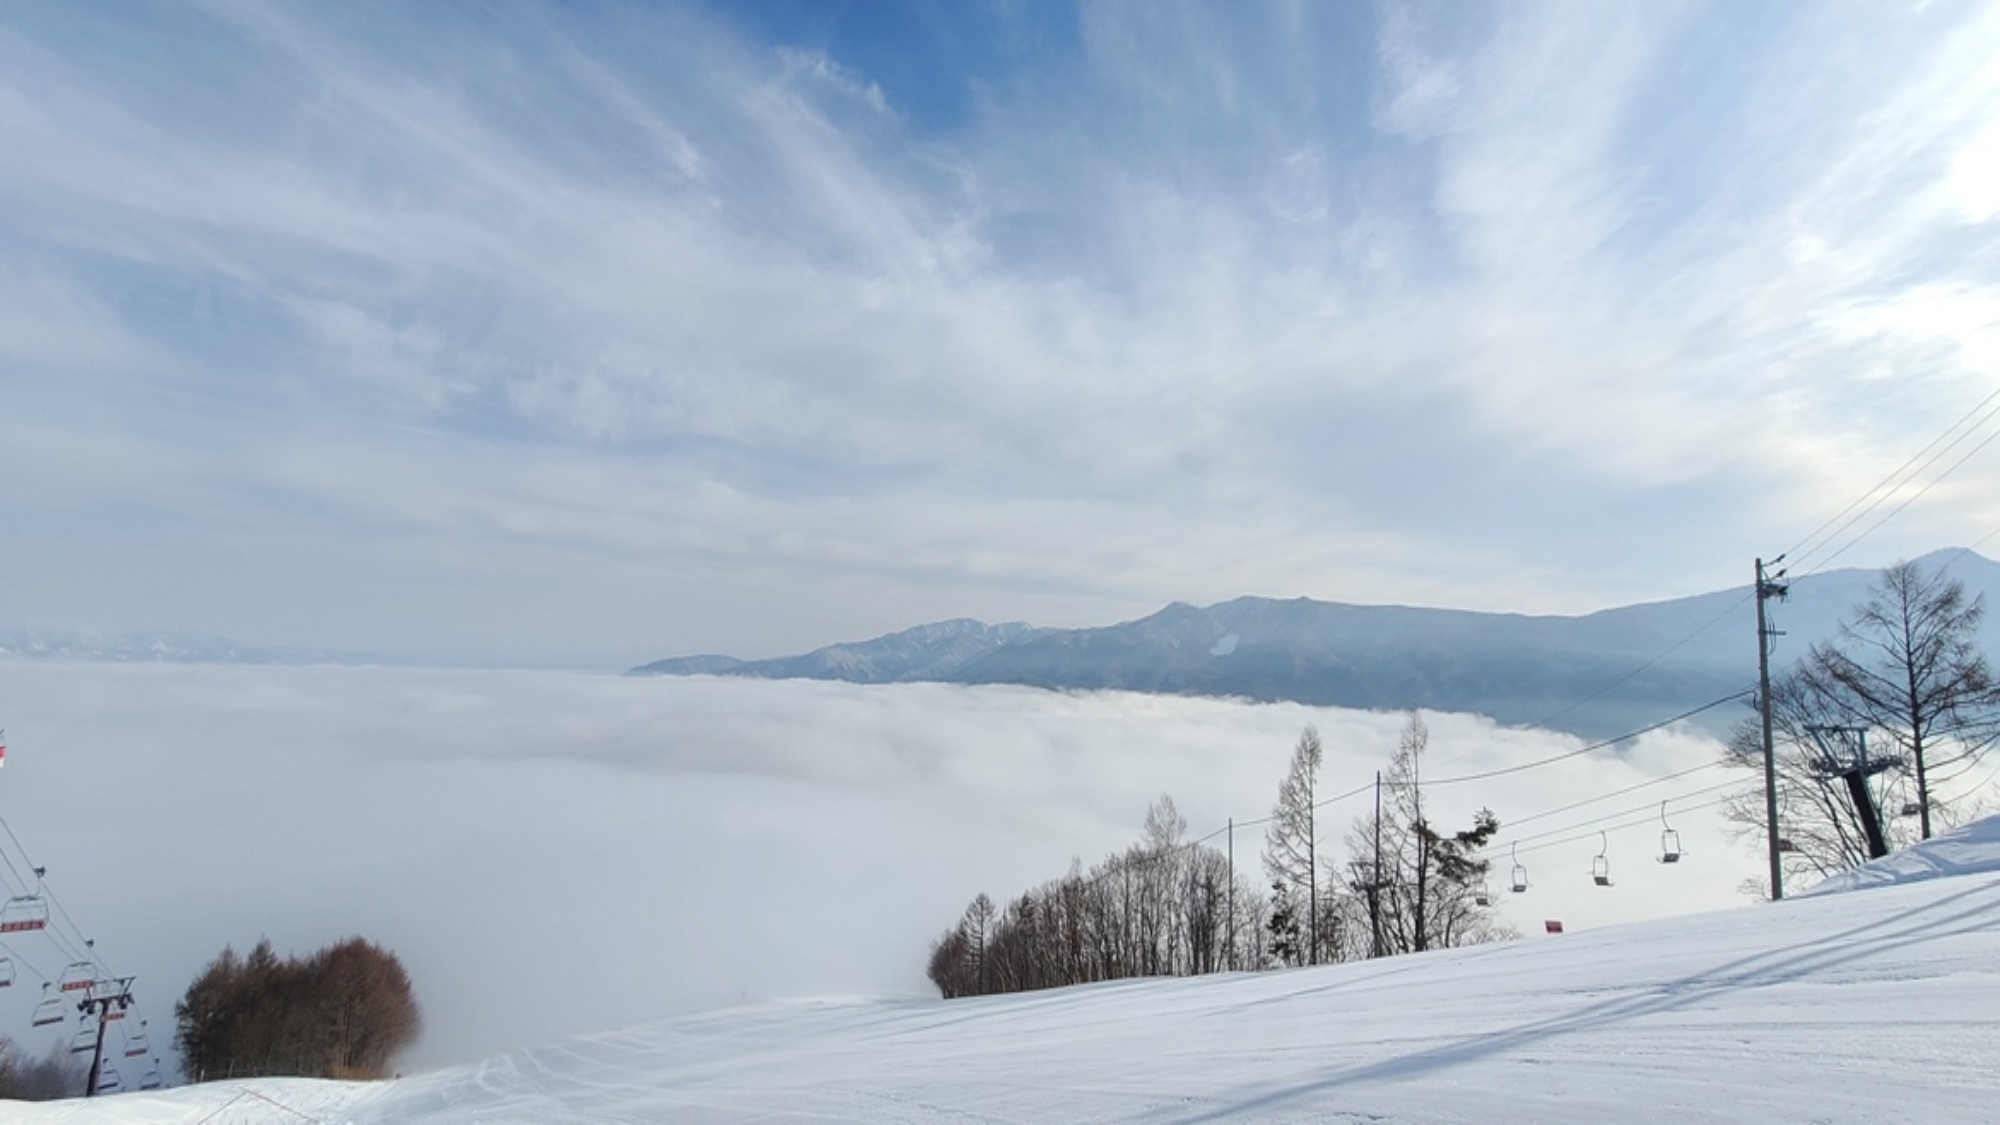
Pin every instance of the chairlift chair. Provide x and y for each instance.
(52, 1009)
(151, 1079)
(84, 1042)
(23, 913)
(1670, 840)
(138, 1045)
(1913, 808)
(6, 971)
(1520, 877)
(107, 1079)
(1785, 845)
(79, 976)
(1482, 895)
(1600, 868)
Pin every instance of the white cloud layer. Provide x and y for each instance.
(556, 852)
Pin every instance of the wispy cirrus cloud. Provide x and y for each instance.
(1529, 308)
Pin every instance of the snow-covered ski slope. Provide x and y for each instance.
(1880, 1004)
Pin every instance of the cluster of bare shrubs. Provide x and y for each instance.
(1158, 908)
(26, 1078)
(342, 1012)
(1167, 906)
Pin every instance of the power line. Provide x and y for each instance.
(1964, 551)
(1914, 497)
(1799, 550)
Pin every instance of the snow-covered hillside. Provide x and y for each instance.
(1835, 1007)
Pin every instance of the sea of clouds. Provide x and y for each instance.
(557, 852)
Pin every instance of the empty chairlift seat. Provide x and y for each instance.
(78, 977)
(52, 1009)
(23, 913)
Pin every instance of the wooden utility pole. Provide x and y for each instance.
(1767, 588)
(1375, 883)
(1312, 866)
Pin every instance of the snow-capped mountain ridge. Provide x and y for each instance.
(1516, 668)
(934, 651)
(90, 645)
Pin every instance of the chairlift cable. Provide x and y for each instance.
(1606, 743)
(16, 872)
(1647, 807)
(24, 962)
(1546, 720)
(1641, 822)
(1338, 797)
(1520, 820)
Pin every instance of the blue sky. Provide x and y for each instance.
(591, 333)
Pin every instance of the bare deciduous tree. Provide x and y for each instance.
(1817, 818)
(1423, 893)
(1291, 852)
(1908, 666)
(1160, 907)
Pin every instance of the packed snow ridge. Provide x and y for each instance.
(1829, 1007)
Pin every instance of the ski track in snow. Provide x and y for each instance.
(1873, 1007)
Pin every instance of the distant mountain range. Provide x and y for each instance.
(91, 646)
(1596, 675)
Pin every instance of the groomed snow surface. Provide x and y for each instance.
(1880, 1004)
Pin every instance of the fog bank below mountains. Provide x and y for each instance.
(560, 852)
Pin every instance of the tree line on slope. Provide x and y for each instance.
(1168, 907)
(342, 1012)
